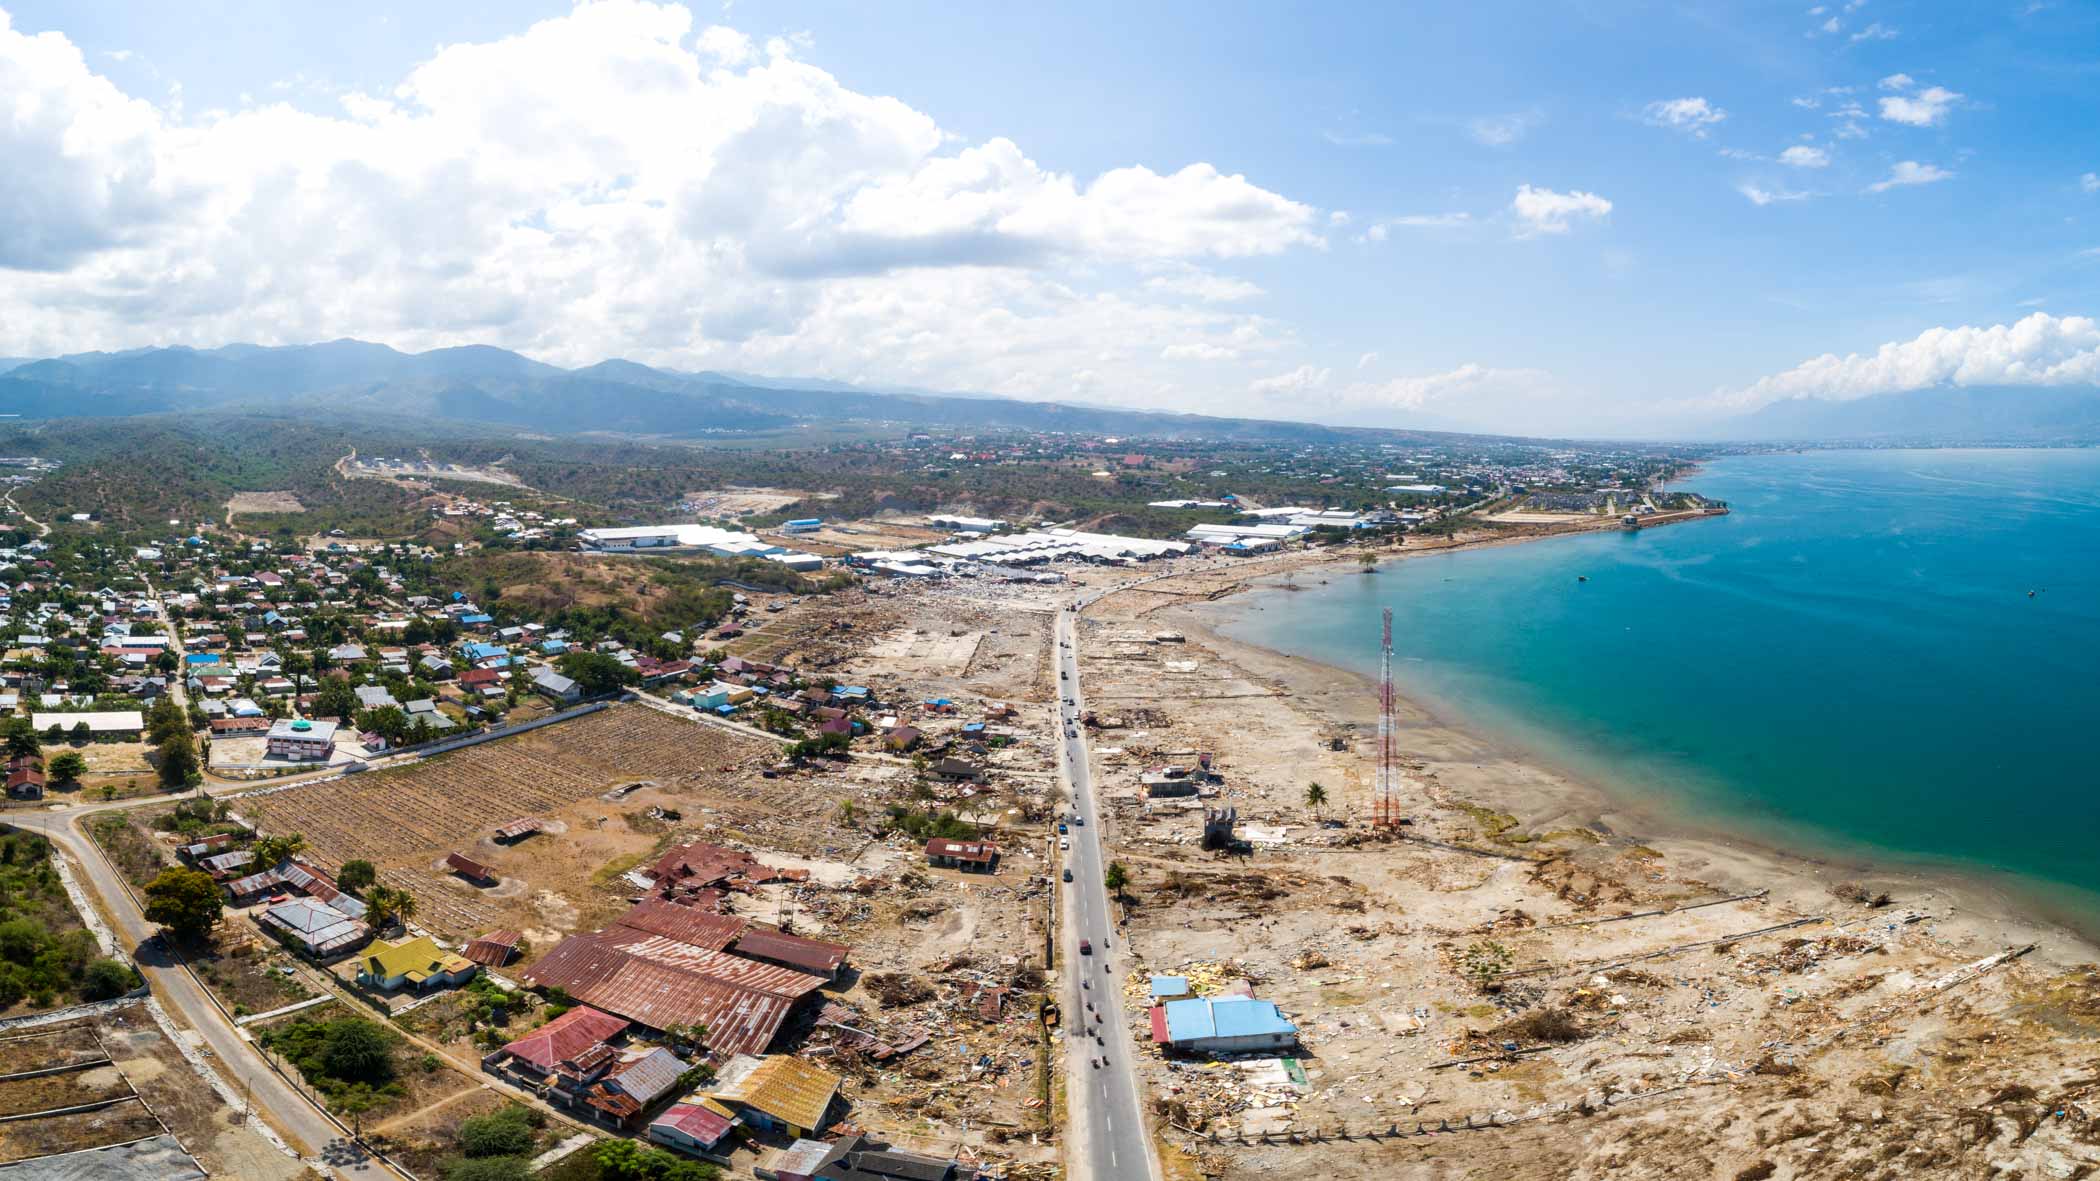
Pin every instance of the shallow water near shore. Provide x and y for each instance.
(1850, 662)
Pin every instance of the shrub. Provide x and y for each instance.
(500, 1133)
(105, 979)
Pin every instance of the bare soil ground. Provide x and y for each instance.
(219, 1137)
(816, 633)
(405, 821)
(425, 469)
(263, 502)
(845, 537)
(1637, 1017)
(422, 1140)
(742, 502)
(158, 1090)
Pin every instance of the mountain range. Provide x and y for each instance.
(480, 384)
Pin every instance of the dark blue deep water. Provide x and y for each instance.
(1850, 660)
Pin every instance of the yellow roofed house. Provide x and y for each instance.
(418, 963)
(777, 1091)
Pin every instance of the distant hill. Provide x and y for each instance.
(1968, 414)
(484, 385)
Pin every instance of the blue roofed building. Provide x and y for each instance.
(1170, 988)
(1222, 1025)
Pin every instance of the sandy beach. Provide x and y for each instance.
(1707, 998)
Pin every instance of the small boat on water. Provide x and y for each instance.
(1582, 578)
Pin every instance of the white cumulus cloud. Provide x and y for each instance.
(614, 181)
(1924, 108)
(1910, 172)
(2039, 350)
(2090, 182)
(1758, 195)
(1303, 379)
(1804, 156)
(1692, 115)
(1543, 211)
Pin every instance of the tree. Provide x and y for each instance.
(1315, 798)
(165, 720)
(336, 699)
(354, 1101)
(21, 738)
(596, 673)
(356, 875)
(624, 1160)
(185, 901)
(69, 767)
(178, 761)
(1117, 878)
(385, 905)
(357, 1051)
(270, 852)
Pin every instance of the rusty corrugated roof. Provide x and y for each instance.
(813, 954)
(699, 928)
(665, 995)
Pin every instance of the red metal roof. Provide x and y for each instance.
(961, 850)
(662, 983)
(701, 864)
(565, 1037)
(704, 1126)
(493, 949)
(684, 923)
(815, 955)
(461, 863)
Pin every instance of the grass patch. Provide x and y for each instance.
(617, 866)
(130, 848)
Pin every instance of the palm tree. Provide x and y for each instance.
(383, 904)
(1315, 798)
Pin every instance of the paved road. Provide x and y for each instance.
(316, 1138)
(1108, 1140)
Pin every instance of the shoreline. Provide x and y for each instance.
(1973, 908)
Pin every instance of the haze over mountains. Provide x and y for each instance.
(493, 386)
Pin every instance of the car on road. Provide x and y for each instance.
(1078, 820)
(1064, 842)
(1061, 827)
(1071, 733)
(1068, 875)
(1086, 947)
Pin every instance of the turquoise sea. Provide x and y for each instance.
(1851, 660)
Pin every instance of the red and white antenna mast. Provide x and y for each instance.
(1386, 804)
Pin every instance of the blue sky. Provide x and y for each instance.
(1521, 216)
